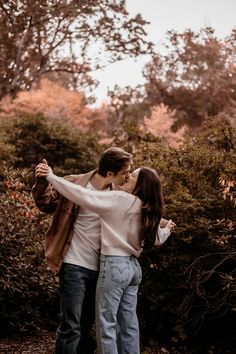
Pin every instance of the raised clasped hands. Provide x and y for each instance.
(42, 169)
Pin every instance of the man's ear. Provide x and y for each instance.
(110, 174)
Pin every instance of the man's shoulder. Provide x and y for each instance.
(82, 177)
(72, 178)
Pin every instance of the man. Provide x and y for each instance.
(73, 247)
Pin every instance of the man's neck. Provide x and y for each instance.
(99, 182)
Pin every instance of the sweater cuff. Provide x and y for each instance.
(163, 234)
(50, 176)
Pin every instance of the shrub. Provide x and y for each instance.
(33, 137)
(189, 283)
(28, 291)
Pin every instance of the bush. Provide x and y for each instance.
(189, 283)
(33, 137)
(28, 291)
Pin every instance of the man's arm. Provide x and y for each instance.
(45, 197)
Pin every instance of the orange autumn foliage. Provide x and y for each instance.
(159, 124)
(55, 102)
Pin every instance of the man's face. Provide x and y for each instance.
(122, 176)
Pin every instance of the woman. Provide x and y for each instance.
(130, 218)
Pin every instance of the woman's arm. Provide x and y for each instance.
(97, 201)
(164, 233)
(164, 222)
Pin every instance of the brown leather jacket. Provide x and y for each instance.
(60, 233)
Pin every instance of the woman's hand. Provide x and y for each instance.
(171, 225)
(42, 169)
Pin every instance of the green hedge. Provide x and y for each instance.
(188, 284)
(30, 138)
(188, 288)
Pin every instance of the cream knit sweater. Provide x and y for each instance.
(119, 212)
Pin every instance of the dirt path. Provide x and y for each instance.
(44, 343)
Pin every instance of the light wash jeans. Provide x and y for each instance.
(77, 310)
(117, 325)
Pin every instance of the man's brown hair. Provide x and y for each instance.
(113, 160)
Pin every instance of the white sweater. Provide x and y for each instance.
(119, 212)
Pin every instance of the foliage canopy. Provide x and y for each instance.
(45, 37)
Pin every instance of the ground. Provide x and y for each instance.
(43, 343)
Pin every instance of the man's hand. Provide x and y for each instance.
(42, 169)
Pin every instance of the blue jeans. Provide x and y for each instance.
(117, 327)
(77, 310)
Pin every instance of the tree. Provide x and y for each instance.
(159, 124)
(196, 79)
(197, 76)
(44, 36)
(56, 103)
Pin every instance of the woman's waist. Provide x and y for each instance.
(116, 251)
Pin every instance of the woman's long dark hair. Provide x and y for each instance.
(148, 189)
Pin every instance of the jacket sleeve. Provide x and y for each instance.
(97, 201)
(163, 234)
(46, 198)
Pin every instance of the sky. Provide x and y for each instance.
(165, 15)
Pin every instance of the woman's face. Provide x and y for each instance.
(130, 185)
